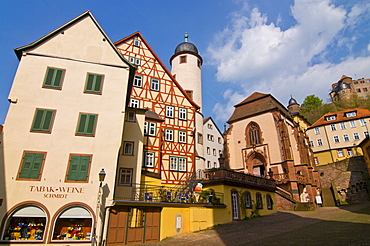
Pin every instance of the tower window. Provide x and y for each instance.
(183, 59)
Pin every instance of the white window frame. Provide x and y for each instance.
(351, 114)
(349, 152)
(182, 164)
(333, 127)
(363, 122)
(319, 142)
(137, 42)
(134, 103)
(336, 139)
(346, 138)
(331, 118)
(182, 113)
(356, 136)
(128, 173)
(182, 137)
(340, 153)
(131, 116)
(128, 148)
(154, 84)
(312, 144)
(343, 125)
(352, 123)
(149, 159)
(317, 130)
(170, 111)
(169, 135)
(138, 81)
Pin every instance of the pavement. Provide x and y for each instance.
(344, 225)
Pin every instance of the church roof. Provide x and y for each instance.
(255, 104)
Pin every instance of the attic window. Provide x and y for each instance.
(137, 42)
(351, 114)
(331, 117)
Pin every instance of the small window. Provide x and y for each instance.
(131, 116)
(319, 142)
(169, 111)
(269, 201)
(349, 152)
(78, 168)
(208, 150)
(356, 136)
(331, 118)
(214, 152)
(346, 138)
(248, 199)
(336, 139)
(182, 113)
(154, 84)
(352, 123)
(363, 122)
(94, 83)
(340, 153)
(134, 103)
(333, 127)
(138, 81)
(312, 145)
(86, 124)
(182, 137)
(366, 134)
(189, 93)
(150, 128)
(135, 61)
(199, 63)
(128, 148)
(168, 134)
(31, 166)
(317, 130)
(148, 159)
(136, 42)
(43, 120)
(316, 160)
(200, 138)
(259, 203)
(208, 164)
(351, 114)
(343, 125)
(219, 140)
(183, 59)
(53, 78)
(178, 164)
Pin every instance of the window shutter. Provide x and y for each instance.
(91, 124)
(26, 166)
(37, 162)
(38, 119)
(90, 82)
(82, 123)
(49, 77)
(84, 167)
(58, 77)
(73, 168)
(48, 115)
(98, 80)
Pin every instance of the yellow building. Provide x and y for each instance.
(336, 136)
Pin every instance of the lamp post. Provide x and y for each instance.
(101, 174)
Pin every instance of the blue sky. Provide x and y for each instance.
(284, 47)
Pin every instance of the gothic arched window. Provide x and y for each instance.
(253, 134)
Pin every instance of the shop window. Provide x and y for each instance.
(27, 223)
(248, 199)
(259, 203)
(269, 201)
(73, 224)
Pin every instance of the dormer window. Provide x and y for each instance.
(331, 117)
(137, 42)
(351, 114)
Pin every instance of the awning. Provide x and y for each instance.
(29, 211)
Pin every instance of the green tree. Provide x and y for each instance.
(311, 102)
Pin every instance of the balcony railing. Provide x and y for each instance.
(165, 194)
(225, 174)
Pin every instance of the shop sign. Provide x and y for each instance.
(56, 192)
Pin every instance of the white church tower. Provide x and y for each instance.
(187, 69)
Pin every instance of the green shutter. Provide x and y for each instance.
(31, 166)
(53, 77)
(82, 123)
(94, 83)
(78, 168)
(43, 120)
(86, 125)
(91, 124)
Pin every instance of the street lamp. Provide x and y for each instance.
(102, 176)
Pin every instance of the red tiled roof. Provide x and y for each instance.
(341, 116)
(255, 104)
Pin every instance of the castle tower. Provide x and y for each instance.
(293, 106)
(186, 66)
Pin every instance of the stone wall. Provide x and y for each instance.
(348, 178)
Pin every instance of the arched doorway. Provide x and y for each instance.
(256, 164)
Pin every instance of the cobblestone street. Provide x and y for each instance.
(346, 225)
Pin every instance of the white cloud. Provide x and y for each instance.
(257, 56)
